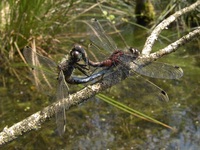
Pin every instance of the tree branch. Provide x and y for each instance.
(175, 45)
(155, 33)
(34, 121)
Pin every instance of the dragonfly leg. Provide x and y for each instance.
(82, 68)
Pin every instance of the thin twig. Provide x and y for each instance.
(155, 33)
(34, 121)
(175, 45)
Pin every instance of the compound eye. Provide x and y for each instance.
(76, 55)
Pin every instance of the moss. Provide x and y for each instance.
(144, 11)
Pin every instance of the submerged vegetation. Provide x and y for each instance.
(53, 23)
(53, 27)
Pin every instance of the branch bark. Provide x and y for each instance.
(155, 33)
(34, 121)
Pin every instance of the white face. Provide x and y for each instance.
(134, 51)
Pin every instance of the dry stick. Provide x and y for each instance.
(155, 33)
(35, 120)
(173, 46)
(170, 48)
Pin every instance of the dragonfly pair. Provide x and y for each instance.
(47, 74)
(44, 68)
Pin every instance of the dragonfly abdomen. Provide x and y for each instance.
(112, 60)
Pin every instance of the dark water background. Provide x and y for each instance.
(98, 125)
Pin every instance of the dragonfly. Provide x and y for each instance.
(46, 74)
(100, 40)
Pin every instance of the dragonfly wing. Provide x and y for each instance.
(62, 93)
(142, 83)
(142, 95)
(160, 70)
(96, 54)
(99, 37)
(151, 89)
(43, 70)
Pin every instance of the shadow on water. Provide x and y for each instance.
(97, 125)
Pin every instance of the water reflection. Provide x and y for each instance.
(98, 133)
(97, 125)
(187, 136)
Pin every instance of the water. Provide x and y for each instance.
(97, 125)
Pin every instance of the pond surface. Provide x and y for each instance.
(97, 125)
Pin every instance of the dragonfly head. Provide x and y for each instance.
(134, 51)
(78, 53)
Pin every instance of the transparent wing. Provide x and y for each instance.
(154, 69)
(99, 37)
(160, 70)
(45, 78)
(62, 93)
(142, 95)
(43, 70)
(96, 54)
(149, 88)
